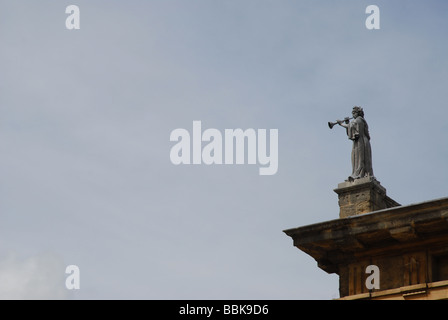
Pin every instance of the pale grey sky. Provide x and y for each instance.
(86, 116)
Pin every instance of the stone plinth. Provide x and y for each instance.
(362, 196)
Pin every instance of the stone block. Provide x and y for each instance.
(362, 196)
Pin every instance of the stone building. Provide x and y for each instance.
(408, 244)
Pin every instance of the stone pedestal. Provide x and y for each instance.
(362, 196)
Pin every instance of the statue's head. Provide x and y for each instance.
(357, 111)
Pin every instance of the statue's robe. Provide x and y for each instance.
(358, 131)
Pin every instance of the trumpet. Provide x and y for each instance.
(332, 124)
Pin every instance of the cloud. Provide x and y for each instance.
(39, 277)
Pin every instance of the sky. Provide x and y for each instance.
(86, 177)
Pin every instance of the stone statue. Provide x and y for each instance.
(358, 132)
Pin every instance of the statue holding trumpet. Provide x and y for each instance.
(358, 132)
